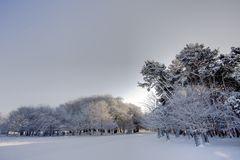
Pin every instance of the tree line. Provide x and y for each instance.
(196, 95)
(95, 115)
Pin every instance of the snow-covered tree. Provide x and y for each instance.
(191, 110)
(90, 115)
(31, 120)
(194, 65)
(156, 76)
(194, 60)
(45, 120)
(2, 124)
(18, 120)
(234, 101)
(201, 89)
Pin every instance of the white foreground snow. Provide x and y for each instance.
(121, 147)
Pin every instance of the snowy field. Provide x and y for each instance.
(120, 147)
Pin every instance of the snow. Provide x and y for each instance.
(118, 147)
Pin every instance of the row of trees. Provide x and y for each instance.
(91, 115)
(197, 94)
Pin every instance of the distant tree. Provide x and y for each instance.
(91, 115)
(18, 120)
(31, 120)
(100, 117)
(2, 123)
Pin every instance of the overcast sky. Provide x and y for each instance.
(53, 51)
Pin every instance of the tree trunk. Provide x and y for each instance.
(167, 136)
(205, 138)
(162, 133)
(188, 134)
(158, 133)
(177, 133)
(197, 139)
(237, 132)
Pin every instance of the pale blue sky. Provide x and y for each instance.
(52, 51)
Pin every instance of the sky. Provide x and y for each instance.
(53, 51)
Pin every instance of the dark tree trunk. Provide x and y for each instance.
(205, 138)
(158, 133)
(167, 135)
(197, 139)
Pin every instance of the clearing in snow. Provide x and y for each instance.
(119, 147)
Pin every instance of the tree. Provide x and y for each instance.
(194, 65)
(195, 59)
(18, 120)
(234, 102)
(191, 110)
(45, 120)
(85, 115)
(2, 124)
(199, 91)
(155, 75)
(100, 117)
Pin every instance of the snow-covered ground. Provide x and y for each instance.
(120, 147)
